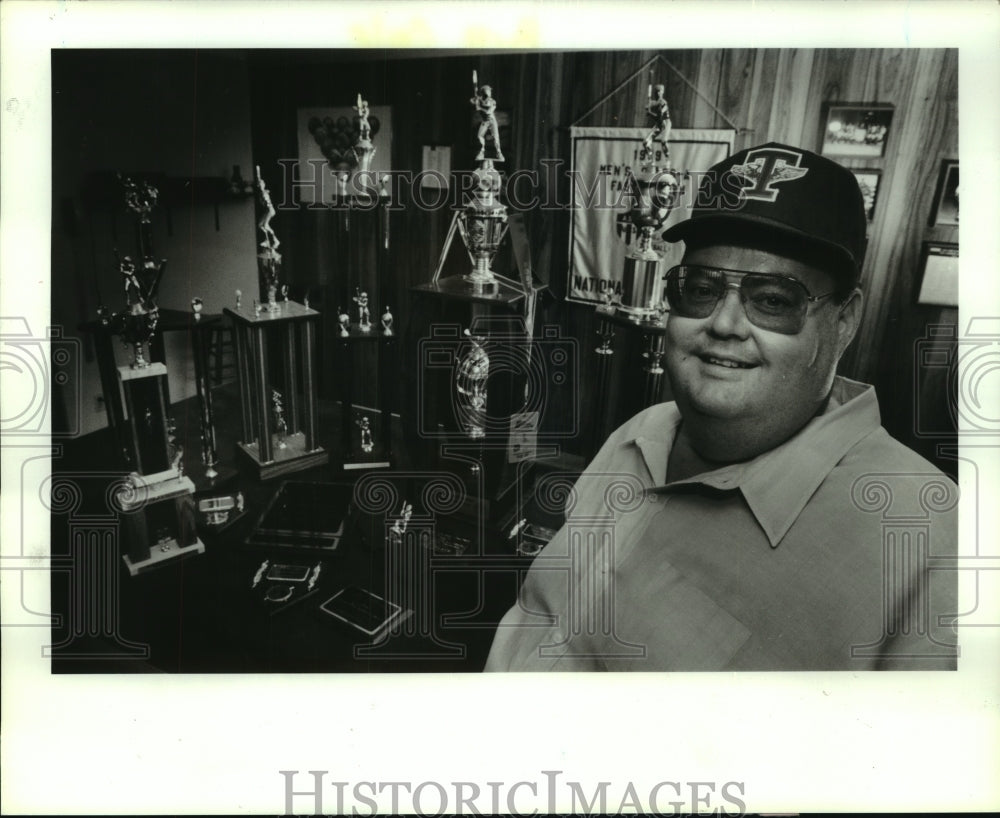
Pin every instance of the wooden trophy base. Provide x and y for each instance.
(162, 553)
(292, 458)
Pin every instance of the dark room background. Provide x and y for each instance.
(190, 117)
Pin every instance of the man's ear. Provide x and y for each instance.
(848, 320)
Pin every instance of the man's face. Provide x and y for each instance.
(759, 383)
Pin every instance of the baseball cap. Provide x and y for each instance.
(786, 191)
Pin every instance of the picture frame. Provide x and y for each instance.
(856, 129)
(945, 209)
(869, 180)
(938, 281)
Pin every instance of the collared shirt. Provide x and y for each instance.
(830, 551)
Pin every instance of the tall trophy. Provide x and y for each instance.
(268, 259)
(278, 426)
(469, 404)
(655, 190)
(363, 339)
(154, 501)
(136, 324)
(483, 221)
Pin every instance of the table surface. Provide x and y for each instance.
(200, 614)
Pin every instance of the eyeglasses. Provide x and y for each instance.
(773, 302)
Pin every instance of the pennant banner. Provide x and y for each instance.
(602, 159)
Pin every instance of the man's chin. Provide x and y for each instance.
(713, 405)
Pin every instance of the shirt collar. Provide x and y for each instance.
(777, 484)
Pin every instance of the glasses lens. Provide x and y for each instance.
(771, 302)
(693, 292)
(774, 303)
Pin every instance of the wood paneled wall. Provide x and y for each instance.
(770, 95)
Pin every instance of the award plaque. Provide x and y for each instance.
(276, 586)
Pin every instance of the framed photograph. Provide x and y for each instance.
(945, 210)
(856, 129)
(868, 181)
(938, 284)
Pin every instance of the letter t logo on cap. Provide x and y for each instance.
(765, 167)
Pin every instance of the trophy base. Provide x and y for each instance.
(162, 553)
(460, 288)
(356, 464)
(208, 480)
(642, 317)
(292, 458)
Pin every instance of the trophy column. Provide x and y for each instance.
(480, 368)
(654, 192)
(367, 337)
(154, 502)
(279, 429)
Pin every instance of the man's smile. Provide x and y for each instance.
(727, 361)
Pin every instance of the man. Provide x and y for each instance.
(765, 520)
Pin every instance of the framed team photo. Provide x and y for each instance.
(856, 130)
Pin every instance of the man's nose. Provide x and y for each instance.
(730, 317)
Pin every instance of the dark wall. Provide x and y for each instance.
(769, 94)
(202, 112)
(164, 115)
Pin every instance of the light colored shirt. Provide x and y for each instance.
(828, 552)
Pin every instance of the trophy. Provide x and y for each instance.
(360, 197)
(483, 221)
(654, 192)
(364, 313)
(280, 424)
(268, 259)
(364, 150)
(136, 324)
(471, 374)
(367, 441)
